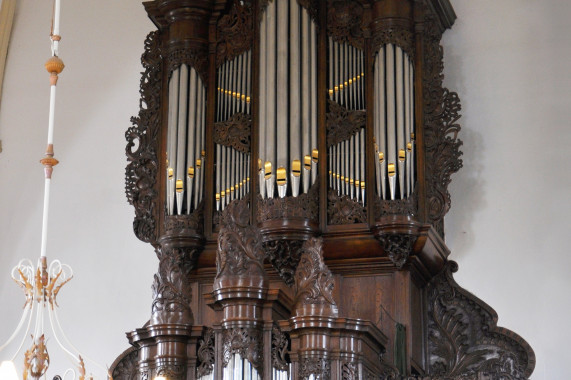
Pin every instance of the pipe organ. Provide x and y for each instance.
(290, 164)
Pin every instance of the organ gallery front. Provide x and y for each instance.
(289, 165)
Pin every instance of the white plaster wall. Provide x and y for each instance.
(507, 227)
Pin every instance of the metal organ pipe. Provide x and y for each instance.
(394, 122)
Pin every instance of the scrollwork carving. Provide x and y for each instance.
(247, 342)
(280, 344)
(397, 247)
(441, 113)
(314, 282)
(349, 371)
(284, 255)
(464, 338)
(172, 292)
(341, 209)
(126, 366)
(206, 355)
(142, 144)
(235, 32)
(344, 22)
(195, 58)
(399, 36)
(234, 132)
(320, 368)
(303, 206)
(342, 123)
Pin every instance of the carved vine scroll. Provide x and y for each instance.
(234, 132)
(206, 354)
(142, 144)
(235, 32)
(342, 123)
(280, 343)
(441, 113)
(464, 338)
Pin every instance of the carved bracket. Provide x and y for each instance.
(397, 247)
(206, 354)
(284, 255)
(441, 113)
(345, 22)
(234, 132)
(464, 338)
(247, 342)
(142, 144)
(314, 282)
(280, 343)
(342, 123)
(341, 209)
(235, 32)
(172, 292)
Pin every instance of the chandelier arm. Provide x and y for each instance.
(20, 324)
(53, 317)
(30, 317)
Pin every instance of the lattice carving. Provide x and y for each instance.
(235, 32)
(320, 368)
(341, 209)
(198, 59)
(402, 37)
(172, 292)
(247, 342)
(142, 144)
(206, 354)
(234, 132)
(345, 22)
(314, 282)
(464, 338)
(441, 113)
(303, 206)
(280, 343)
(284, 255)
(342, 123)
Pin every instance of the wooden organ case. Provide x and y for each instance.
(290, 165)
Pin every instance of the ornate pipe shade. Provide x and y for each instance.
(290, 167)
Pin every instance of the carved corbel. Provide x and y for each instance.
(284, 255)
(398, 247)
(314, 283)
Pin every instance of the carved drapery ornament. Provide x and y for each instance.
(345, 22)
(320, 368)
(234, 132)
(206, 354)
(304, 206)
(247, 342)
(464, 338)
(235, 32)
(284, 255)
(341, 209)
(142, 144)
(314, 282)
(342, 124)
(172, 291)
(441, 113)
(196, 58)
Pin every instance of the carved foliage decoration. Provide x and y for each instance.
(407, 206)
(394, 35)
(280, 343)
(464, 338)
(182, 224)
(320, 368)
(397, 247)
(342, 123)
(304, 206)
(349, 371)
(171, 371)
(235, 32)
(247, 342)
(441, 113)
(341, 209)
(344, 22)
(172, 292)
(314, 282)
(284, 255)
(240, 252)
(206, 355)
(126, 366)
(196, 58)
(142, 144)
(234, 132)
